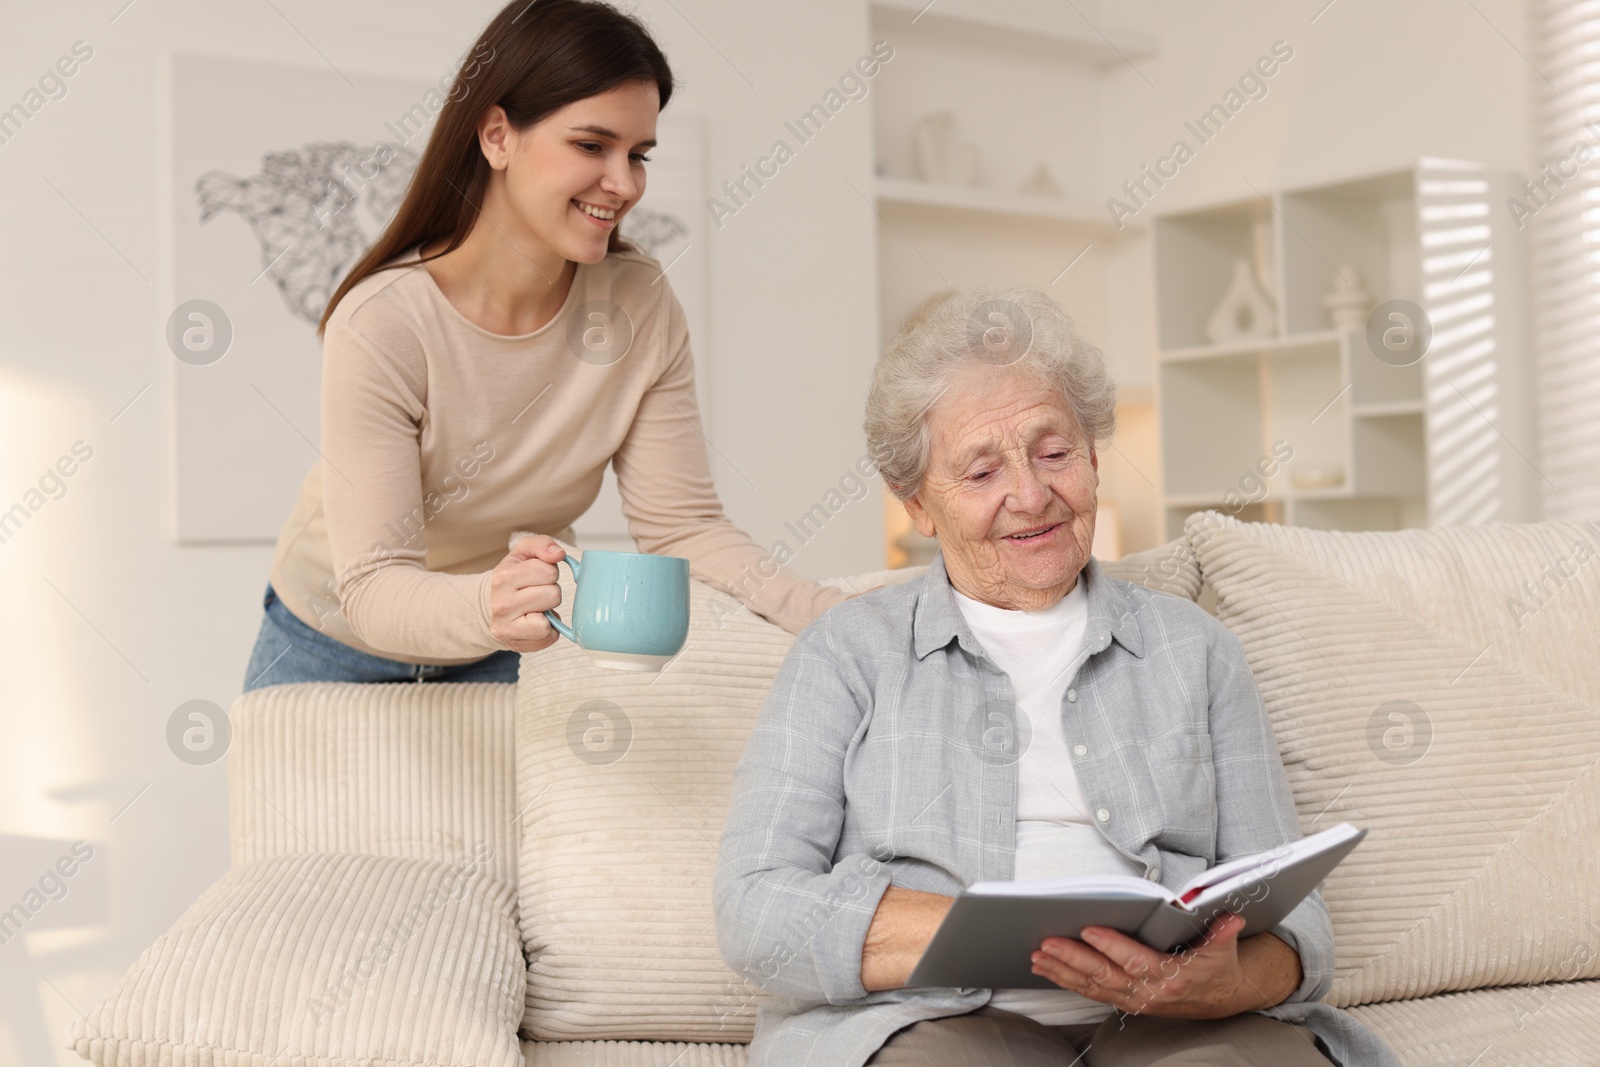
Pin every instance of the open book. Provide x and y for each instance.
(993, 928)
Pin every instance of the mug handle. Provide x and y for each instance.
(562, 628)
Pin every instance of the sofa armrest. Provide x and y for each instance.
(419, 771)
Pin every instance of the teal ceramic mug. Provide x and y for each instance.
(631, 611)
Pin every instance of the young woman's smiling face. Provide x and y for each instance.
(571, 177)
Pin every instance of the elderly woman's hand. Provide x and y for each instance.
(1221, 976)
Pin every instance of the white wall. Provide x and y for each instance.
(108, 626)
(793, 305)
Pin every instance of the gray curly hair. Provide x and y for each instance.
(970, 329)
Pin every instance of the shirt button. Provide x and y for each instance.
(1072, 696)
(1155, 873)
(1080, 750)
(1103, 815)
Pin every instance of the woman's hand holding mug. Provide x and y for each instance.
(523, 587)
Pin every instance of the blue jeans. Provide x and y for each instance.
(287, 650)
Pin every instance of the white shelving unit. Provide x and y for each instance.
(1374, 446)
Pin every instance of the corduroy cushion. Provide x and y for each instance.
(392, 769)
(1552, 1025)
(623, 783)
(324, 960)
(1442, 688)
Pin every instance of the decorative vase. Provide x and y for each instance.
(1245, 312)
(1330, 476)
(1349, 301)
(1265, 256)
(943, 156)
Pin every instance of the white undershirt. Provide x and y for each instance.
(1056, 836)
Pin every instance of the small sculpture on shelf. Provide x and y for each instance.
(1040, 183)
(1245, 312)
(1317, 476)
(1349, 301)
(943, 156)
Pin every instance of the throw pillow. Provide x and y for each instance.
(330, 959)
(1441, 688)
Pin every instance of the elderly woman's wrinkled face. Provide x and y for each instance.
(1009, 491)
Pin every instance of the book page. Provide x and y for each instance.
(1086, 886)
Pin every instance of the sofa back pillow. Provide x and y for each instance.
(1440, 687)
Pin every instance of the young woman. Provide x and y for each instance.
(494, 350)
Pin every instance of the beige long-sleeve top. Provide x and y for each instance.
(440, 439)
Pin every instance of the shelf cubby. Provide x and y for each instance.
(1214, 408)
(1389, 455)
(1195, 253)
(1369, 224)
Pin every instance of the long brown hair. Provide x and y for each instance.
(532, 59)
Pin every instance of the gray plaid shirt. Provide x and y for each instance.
(886, 753)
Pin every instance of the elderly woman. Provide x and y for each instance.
(1015, 713)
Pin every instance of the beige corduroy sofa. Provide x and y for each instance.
(422, 871)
